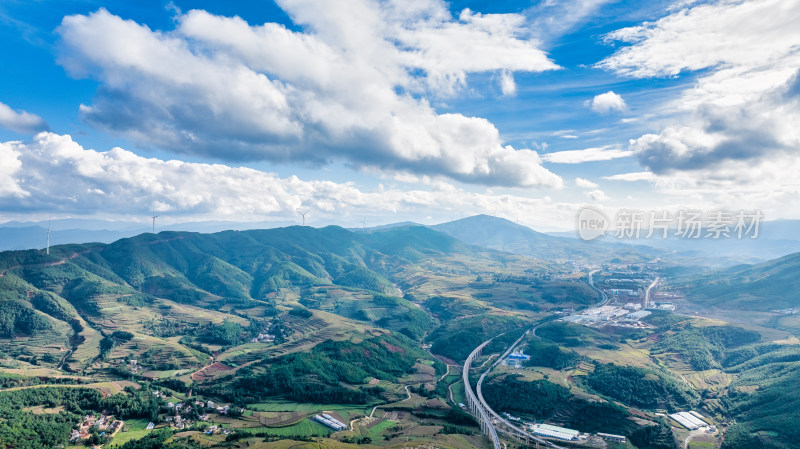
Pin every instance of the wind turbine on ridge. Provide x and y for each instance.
(47, 250)
(303, 214)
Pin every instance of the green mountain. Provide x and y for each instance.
(501, 234)
(772, 285)
(183, 296)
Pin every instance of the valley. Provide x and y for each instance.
(245, 338)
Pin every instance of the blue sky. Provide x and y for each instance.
(396, 110)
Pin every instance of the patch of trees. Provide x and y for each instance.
(108, 342)
(300, 312)
(550, 355)
(45, 302)
(319, 375)
(362, 277)
(565, 292)
(751, 357)
(45, 276)
(447, 308)
(406, 319)
(704, 347)
(8, 380)
(18, 318)
(357, 439)
(229, 333)
(566, 334)
(739, 436)
(25, 430)
(599, 417)
(84, 287)
(639, 387)
(451, 429)
(774, 407)
(134, 404)
(172, 288)
(501, 342)
(663, 319)
(457, 338)
(539, 398)
(137, 299)
(165, 327)
(459, 417)
(658, 436)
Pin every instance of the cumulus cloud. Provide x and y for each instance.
(608, 102)
(20, 121)
(720, 130)
(53, 174)
(743, 111)
(10, 165)
(606, 153)
(352, 86)
(724, 33)
(597, 195)
(585, 183)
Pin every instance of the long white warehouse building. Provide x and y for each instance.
(560, 433)
(688, 420)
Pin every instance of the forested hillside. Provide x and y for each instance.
(772, 285)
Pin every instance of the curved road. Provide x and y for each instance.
(494, 414)
(481, 409)
(483, 418)
(603, 301)
(647, 293)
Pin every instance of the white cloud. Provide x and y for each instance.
(10, 166)
(55, 175)
(20, 121)
(507, 84)
(725, 33)
(553, 18)
(122, 184)
(585, 183)
(636, 176)
(353, 86)
(608, 102)
(606, 153)
(737, 125)
(597, 196)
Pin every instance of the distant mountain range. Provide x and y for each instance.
(16, 235)
(500, 234)
(776, 239)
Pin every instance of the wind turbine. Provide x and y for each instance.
(300, 211)
(363, 223)
(154, 223)
(47, 250)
